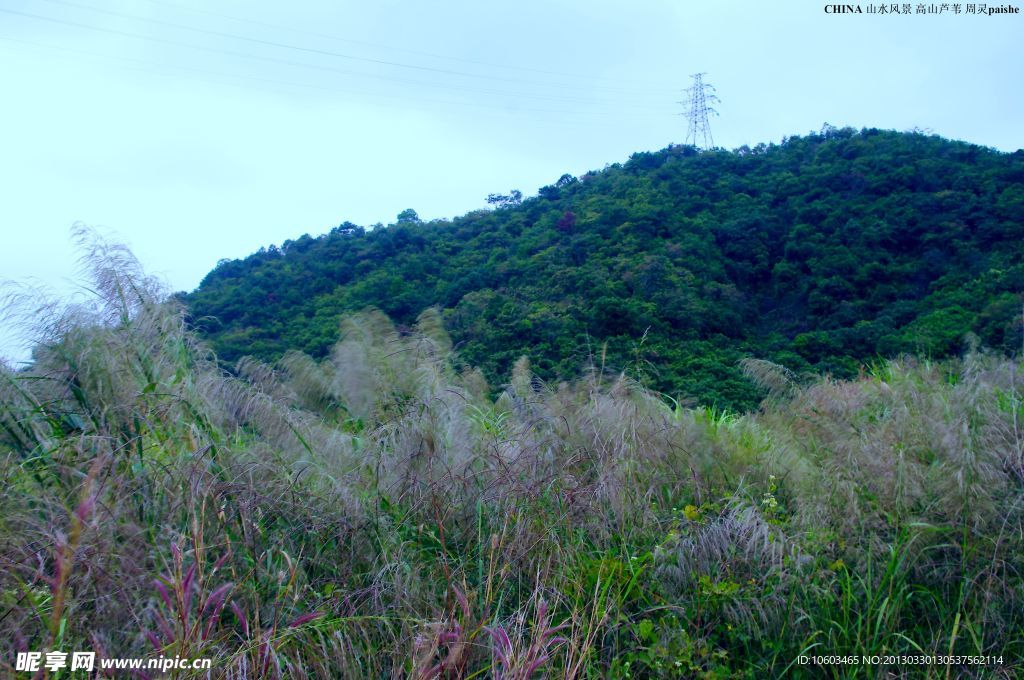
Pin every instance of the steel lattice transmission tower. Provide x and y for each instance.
(701, 95)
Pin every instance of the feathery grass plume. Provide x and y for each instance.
(430, 329)
(370, 365)
(777, 380)
(311, 381)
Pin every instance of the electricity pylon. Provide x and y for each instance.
(701, 94)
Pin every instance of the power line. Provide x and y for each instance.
(388, 47)
(313, 50)
(286, 62)
(271, 81)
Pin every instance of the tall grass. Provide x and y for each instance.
(379, 514)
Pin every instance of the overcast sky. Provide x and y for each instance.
(198, 130)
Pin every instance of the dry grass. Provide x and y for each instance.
(378, 514)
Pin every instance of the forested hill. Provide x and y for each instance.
(820, 254)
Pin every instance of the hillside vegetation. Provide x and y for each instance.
(378, 513)
(820, 254)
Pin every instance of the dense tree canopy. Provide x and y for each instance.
(821, 253)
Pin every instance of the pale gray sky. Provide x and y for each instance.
(195, 131)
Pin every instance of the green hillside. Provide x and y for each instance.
(822, 253)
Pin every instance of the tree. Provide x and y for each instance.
(511, 199)
(408, 216)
